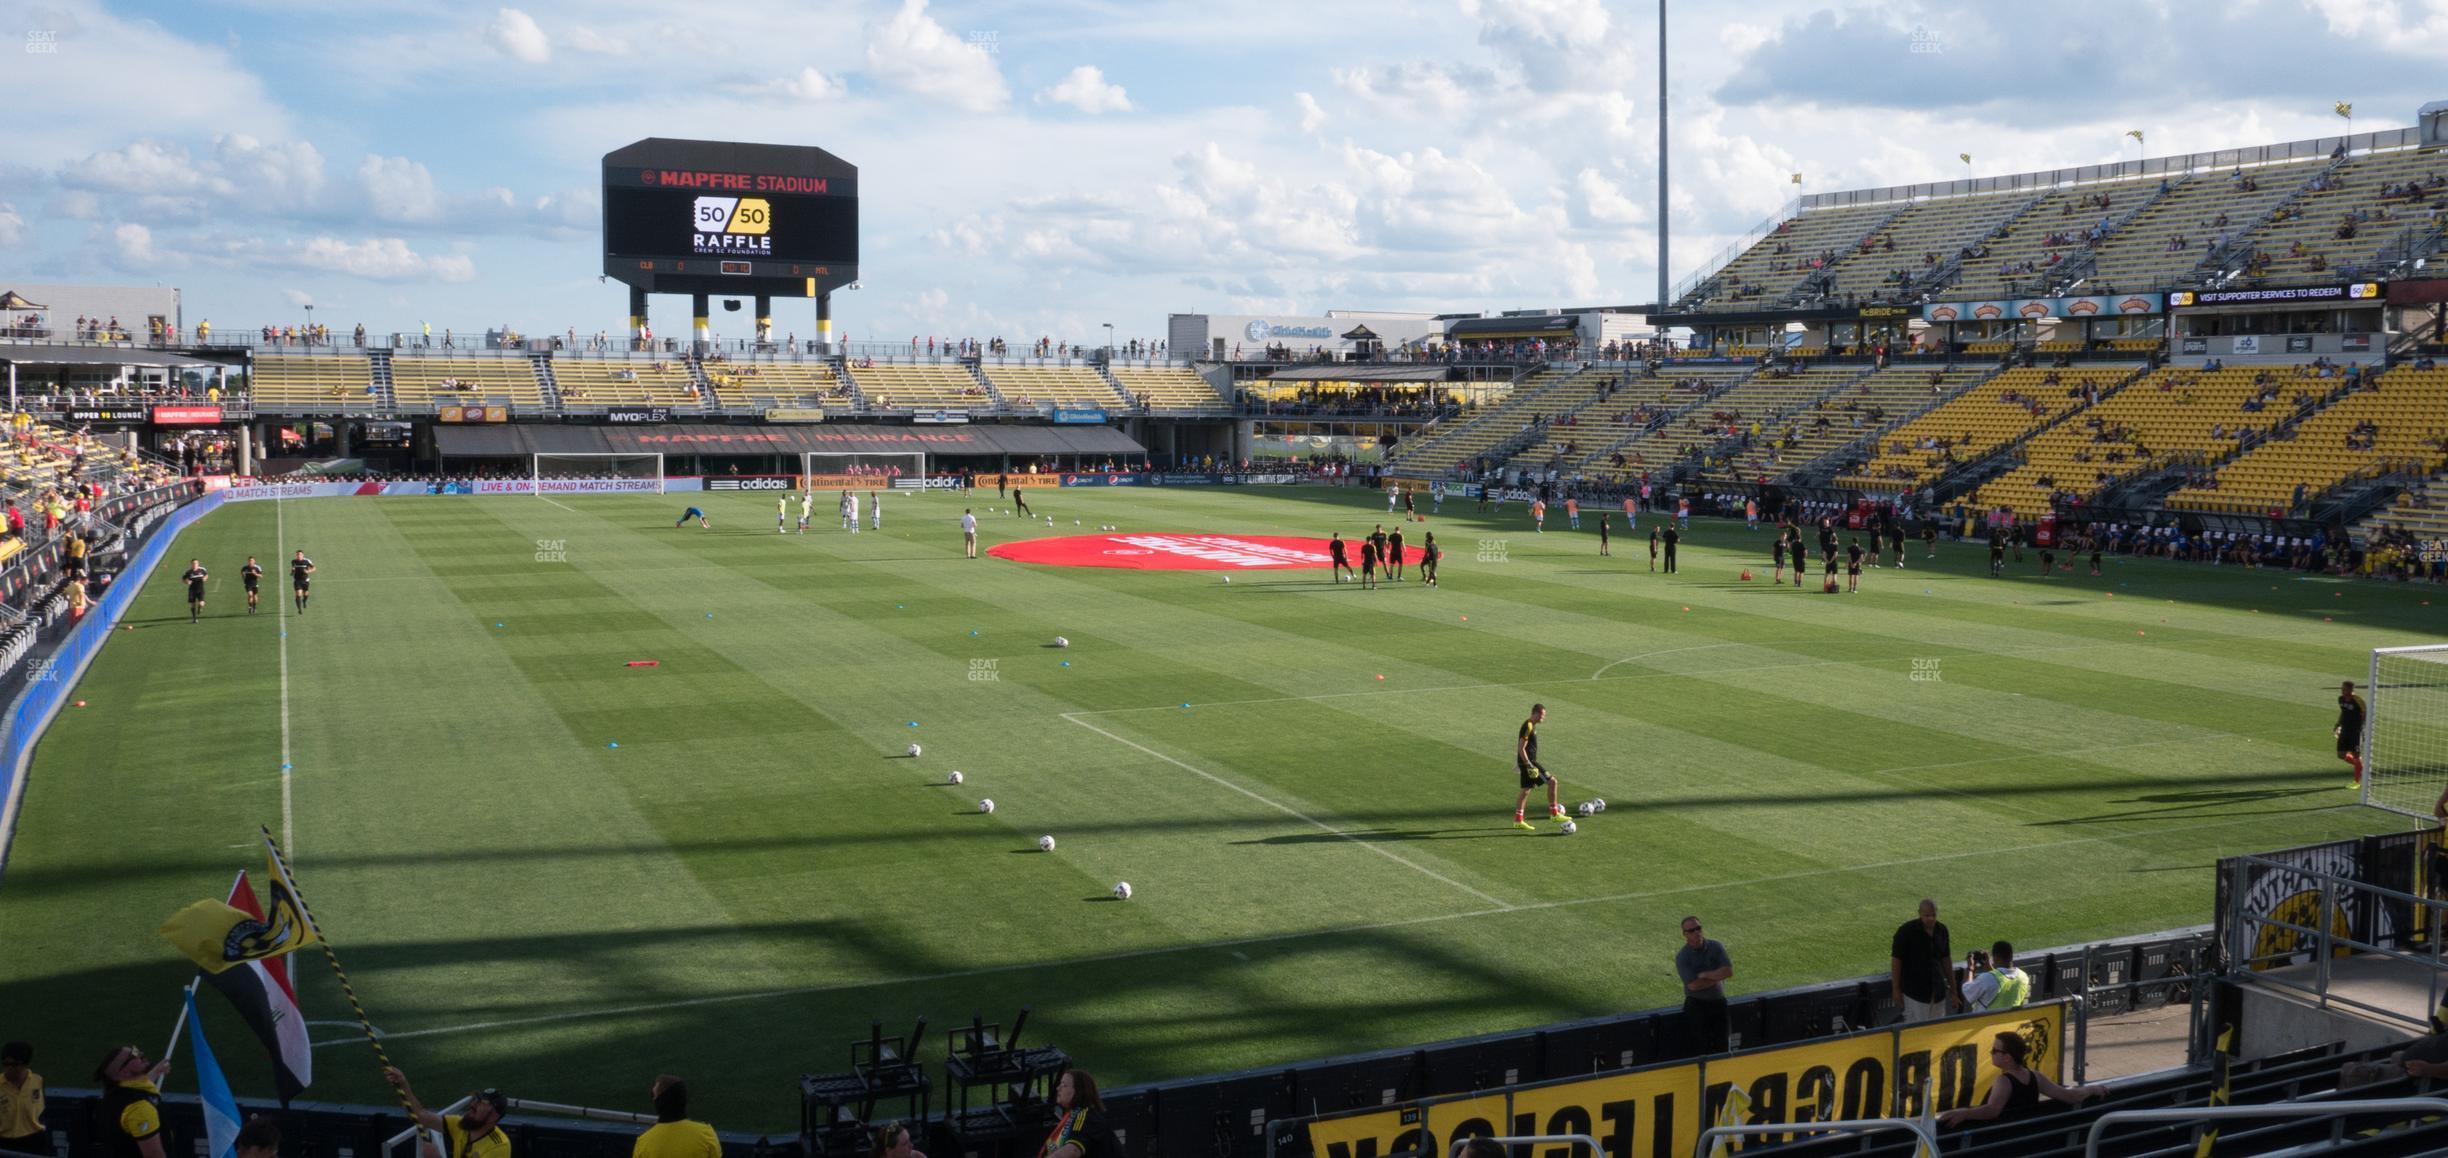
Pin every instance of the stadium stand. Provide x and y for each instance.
(2176, 416)
(1792, 252)
(920, 386)
(336, 383)
(1028, 386)
(420, 384)
(1572, 417)
(762, 385)
(1856, 411)
(1976, 424)
(2416, 514)
(1166, 387)
(2036, 245)
(1758, 398)
(1920, 241)
(1449, 444)
(589, 382)
(2392, 424)
(2175, 234)
(2350, 214)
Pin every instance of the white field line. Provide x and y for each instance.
(280, 609)
(1268, 939)
(1290, 811)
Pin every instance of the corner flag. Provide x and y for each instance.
(220, 1108)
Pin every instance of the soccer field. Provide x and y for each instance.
(1324, 859)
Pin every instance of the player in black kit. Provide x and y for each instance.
(1853, 564)
(1997, 554)
(1533, 774)
(300, 568)
(252, 576)
(195, 577)
(1334, 554)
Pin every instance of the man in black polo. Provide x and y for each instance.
(1704, 968)
(1921, 966)
(1673, 537)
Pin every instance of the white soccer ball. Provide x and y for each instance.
(1601, 803)
(1228, 578)
(955, 778)
(1075, 522)
(1059, 641)
(914, 749)
(1589, 808)
(1045, 844)
(986, 805)
(1049, 520)
(1570, 828)
(1122, 891)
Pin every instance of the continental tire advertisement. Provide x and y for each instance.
(1659, 1111)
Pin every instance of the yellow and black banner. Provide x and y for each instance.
(1659, 1111)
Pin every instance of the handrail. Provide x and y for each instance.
(1455, 1150)
(2099, 1125)
(1919, 1130)
(413, 1129)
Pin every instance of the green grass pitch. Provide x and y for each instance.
(1324, 860)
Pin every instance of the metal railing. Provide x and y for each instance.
(2326, 941)
(1455, 1150)
(2099, 1125)
(391, 1145)
(1919, 1130)
(2170, 166)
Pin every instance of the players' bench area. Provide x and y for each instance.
(1978, 423)
(315, 383)
(424, 383)
(2175, 416)
(2393, 424)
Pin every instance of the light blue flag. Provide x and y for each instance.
(220, 1108)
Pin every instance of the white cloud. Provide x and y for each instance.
(596, 43)
(298, 297)
(1599, 203)
(1087, 90)
(914, 54)
(518, 36)
(288, 174)
(811, 85)
(144, 166)
(398, 189)
(1312, 117)
(135, 244)
(381, 259)
(12, 226)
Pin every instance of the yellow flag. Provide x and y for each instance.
(2345, 109)
(217, 936)
(1966, 158)
(1737, 1105)
(2136, 134)
(1797, 178)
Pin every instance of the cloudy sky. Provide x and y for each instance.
(1044, 167)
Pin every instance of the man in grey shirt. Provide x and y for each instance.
(1704, 967)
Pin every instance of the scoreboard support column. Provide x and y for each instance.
(824, 321)
(701, 326)
(764, 320)
(637, 318)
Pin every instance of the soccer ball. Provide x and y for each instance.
(1569, 828)
(1122, 891)
(1601, 803)
(913, 750)
(1059, 641)
(1075, 522)
(1588, 808)
(1228, 578)
(1049, 520)
(955, 778)
(1045, 844)
(986, 805)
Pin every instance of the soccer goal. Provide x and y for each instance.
(2405, 735)
(836, 470)
(581, 473)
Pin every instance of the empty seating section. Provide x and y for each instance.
(2397, 424)
(424, 383)
(2316, 241)
(2175, 416)
(2179, 231)
(1920, 239)
(2056, 230)
(1167, 387)
(764, 385)
(920, 386)
(1757, 398)
(1777, 263)
(1976, 424)
(294, 381)
(1027, 386)
(586, 382)
(1856, 410)
(1456, 441)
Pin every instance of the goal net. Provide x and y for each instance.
(2405, 735)
(609, 473)
(838, 470)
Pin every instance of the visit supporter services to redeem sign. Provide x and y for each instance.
(1662, 1109)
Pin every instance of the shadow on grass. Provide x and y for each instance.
(1386, 835)
(2186, 805)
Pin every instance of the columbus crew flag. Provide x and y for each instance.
(264, 998)
(217, 935)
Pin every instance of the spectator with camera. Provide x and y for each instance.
(1991, 980)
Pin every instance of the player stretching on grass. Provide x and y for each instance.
(1525, 761)
(2350, 730)
(691, 513)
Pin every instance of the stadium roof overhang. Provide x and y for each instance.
(41, 355)
(1489, 329)
(1352, 373)
(521, 439)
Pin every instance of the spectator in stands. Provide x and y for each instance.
(1082, 1130)
(1482, 1148)
(1995, 983)
(2016, 1093)
(21, 1102)
(892, 1140)
(131, 1103)
(674, 1135)
(1704, 967)
(259, 1138)
(1921, 966)
(474, 1134)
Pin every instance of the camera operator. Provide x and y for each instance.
(1991, 980)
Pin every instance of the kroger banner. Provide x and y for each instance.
(2025, 308)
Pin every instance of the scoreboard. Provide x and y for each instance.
(729, 218)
